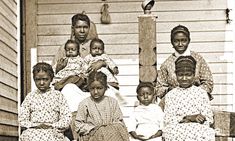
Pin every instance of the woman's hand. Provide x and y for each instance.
(199, 118)
(61, 63)
(95, 66)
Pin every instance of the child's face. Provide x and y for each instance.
(97, 90)
(185, 78)
(71, 50)
(180, 42)
(145, 96)
(42, 81)
(96, 49)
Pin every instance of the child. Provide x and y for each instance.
(74, 71)
(99, 117)
(147, 118)
(44, 113)
(188, 114)
(97, 54)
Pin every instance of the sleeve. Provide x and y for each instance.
(65, 116)
(110, 63)
(117, 113)
(81, 125)
(60, 54)
(25, 113)
(170, 110)
(206, 78)
(205, 107)
(162, 84)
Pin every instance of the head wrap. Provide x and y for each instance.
(185, 63)
(146, 2)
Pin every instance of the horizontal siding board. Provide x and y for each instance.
(8, 118)
(8, 13)
(8, 138)
(6, 130)
(126, 49)
(125, 28)
(130, 7)
(8, 92)
(8, 66)
(9, 52)
(11, 29)
(133, 17)
(8, 79)
(133, 38)
(8, 39)
(11, 5)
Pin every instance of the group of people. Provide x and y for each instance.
(79, 91)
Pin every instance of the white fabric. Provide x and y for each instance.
(146, 120)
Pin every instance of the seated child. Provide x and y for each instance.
(44, 113)
(188, 114)
(97, 54)
(99, 117)
(147, 118)
(74, 70)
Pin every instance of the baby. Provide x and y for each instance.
(74, 70)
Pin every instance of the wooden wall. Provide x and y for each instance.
(8, 71)
(211, 36)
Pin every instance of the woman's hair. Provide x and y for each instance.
(144, 84)
(180, 28)
(97, 40)
(185, 63)
(72, 42)
(42, 66)
(81, 17)
(97, 76)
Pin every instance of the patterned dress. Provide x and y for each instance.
(49, 107)
(167, 77)
(101, 121)
(75, 66)
(146, 120)
(181, 102)
(89, 59)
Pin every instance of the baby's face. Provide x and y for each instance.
(96, 49)
(145, 96)
(71, 50)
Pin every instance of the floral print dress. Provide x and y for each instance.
(49, 107)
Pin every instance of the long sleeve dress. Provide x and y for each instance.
(101, 121)
(181, 102)
(49, 107)
(167, 78)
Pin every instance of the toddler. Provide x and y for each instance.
(147, 118)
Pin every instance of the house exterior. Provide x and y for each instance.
(48, 24)
(8, 70)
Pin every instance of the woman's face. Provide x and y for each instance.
(185, 78)
(180, 42)
(97, 90)
(42, 81)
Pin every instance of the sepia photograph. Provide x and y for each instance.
(117, 70)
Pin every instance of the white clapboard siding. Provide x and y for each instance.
(8, 71)
(210, 36)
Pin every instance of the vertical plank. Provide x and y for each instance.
(30, 14)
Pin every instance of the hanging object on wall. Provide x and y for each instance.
(105, 16)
